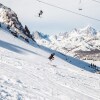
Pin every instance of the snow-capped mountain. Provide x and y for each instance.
(37, 35)
(88, 31)
(9, 21)
(80, 43)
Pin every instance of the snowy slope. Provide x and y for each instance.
(27, 74)
(80, 43)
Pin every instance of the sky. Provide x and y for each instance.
(54, 20)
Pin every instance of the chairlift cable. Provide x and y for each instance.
(96, 1)
(68, 10)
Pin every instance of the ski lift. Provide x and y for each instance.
(80, 8)
(40, 13)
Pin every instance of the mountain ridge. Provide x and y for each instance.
(9, 21)
(85, 39)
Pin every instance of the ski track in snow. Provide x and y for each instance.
(24, 77)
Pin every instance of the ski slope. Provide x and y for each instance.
(27, 74)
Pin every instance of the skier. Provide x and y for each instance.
(52, 56)
(40, 13)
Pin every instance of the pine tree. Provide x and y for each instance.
(27, 31)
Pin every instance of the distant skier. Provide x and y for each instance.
(52, 56)
(40, 13)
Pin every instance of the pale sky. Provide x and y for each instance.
(55, 20)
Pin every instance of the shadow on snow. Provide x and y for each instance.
(76, 62)
(14, 48)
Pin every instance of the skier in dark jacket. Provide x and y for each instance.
(52, 56)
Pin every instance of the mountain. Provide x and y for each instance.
(9, 22)
(27, 74)
(88, 30)
(38, 35)
(80, 43)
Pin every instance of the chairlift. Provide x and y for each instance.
(40, 13)
(80, 9)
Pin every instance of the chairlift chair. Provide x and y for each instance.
(80, 8)
(40, 13)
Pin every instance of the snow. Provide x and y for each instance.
(27, 74)
(9, 21)
(37, 35)
(71, 43)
